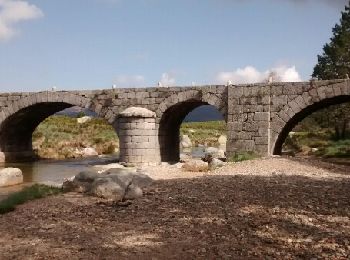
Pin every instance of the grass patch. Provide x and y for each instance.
(59, 136)
(204, 133)
(336, 149)
(243, 156)
(322, 140)
(36, 191)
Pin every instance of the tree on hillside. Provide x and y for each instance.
(334, 63)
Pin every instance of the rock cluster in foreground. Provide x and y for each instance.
(113, 184)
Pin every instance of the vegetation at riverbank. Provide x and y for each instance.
(204, 133)
(61, 137)
(319, 143)
(36, 191)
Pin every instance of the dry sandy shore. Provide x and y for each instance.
(262, 209)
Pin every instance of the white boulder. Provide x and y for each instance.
(222, 140)
(84, 119)
(86, 152)
(314, 150)
(186, 141)
(10, 177)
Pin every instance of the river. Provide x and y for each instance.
(52, 171)
(55, 171)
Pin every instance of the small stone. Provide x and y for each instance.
(195, 166)
(86, 152)
(185, 141)
(84, 119)
(215, 163)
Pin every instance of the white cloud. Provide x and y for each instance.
(129, 80)
(13, 12)
(250, 74)
(167, 80)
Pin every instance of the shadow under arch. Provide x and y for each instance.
(169, 128)
(298, 117)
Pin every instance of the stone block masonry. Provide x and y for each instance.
(136, 128)
(259, 116)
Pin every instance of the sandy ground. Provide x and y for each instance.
(263, 209)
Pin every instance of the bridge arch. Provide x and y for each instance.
(19, 119)
(316, 98)
(173, 110)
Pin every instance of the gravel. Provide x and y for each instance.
(273, 208)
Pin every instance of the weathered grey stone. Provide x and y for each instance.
(86, 176)
(114, 184)
(107, 188)
(147, 119)
(137, 112)
(215, 163)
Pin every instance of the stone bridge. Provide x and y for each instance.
(259, 116)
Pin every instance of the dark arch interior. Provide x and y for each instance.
(303, 114)
(16, 131)
(169, 129)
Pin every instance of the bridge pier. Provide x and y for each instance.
(22, 156)
(138, 136)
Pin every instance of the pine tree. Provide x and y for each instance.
(334, 63)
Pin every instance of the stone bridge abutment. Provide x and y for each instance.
(259, 116)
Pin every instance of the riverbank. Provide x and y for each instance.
(63, 137)
(277, 207)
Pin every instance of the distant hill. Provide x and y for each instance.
(200, 114)
(204, 113)
(74, 111)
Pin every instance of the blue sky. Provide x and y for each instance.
(92, 44)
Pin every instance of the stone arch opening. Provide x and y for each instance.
(169, 127)
(16, 130)
(298, 117)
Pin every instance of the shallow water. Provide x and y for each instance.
(55, 171)
(52, 171)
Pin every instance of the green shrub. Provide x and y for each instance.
(36, 191)
(80, 114)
